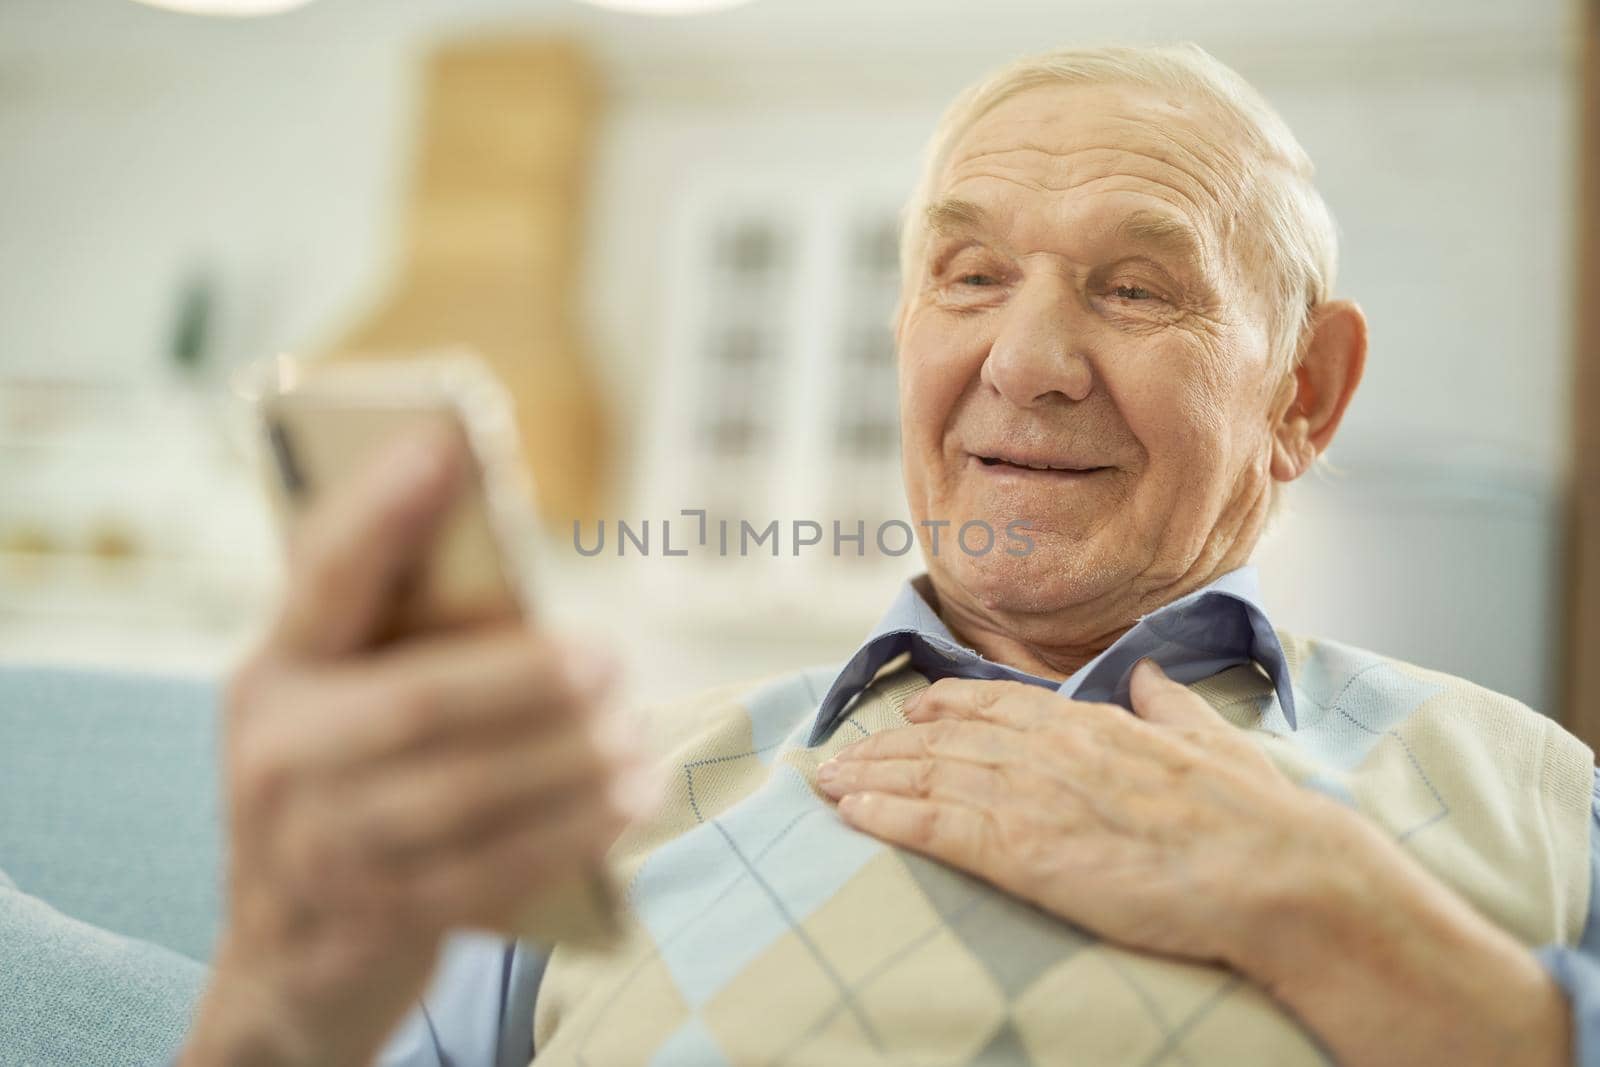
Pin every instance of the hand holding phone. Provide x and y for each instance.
(322, 426)
(388, 783)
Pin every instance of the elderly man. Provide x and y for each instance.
(1116, 324)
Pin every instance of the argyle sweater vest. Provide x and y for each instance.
(762, 930)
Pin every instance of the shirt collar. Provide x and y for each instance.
(1218, 626)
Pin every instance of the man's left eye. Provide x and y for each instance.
(1133, 292)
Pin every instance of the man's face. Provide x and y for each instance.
(1080, 307)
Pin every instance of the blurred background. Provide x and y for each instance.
(674, 238)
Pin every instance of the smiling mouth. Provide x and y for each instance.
(1031, 467)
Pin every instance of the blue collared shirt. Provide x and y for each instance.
(478, 1009)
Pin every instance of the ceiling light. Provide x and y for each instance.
(667, 7)
(237, 8)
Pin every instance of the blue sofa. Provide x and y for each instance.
(110, 852)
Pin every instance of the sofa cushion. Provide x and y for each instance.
(75, 994)
(108, 800)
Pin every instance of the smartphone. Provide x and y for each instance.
(323, 423)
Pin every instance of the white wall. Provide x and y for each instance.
(135, 145)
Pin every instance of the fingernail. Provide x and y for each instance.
(828, 771)
(1146, 665)
(912, 701)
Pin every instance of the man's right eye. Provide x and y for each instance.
(975, 279)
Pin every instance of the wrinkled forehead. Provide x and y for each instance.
(1050, 148)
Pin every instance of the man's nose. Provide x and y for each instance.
(1039, 349)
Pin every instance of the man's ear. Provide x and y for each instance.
(1322, 386)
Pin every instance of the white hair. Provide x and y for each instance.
(1282, 218)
